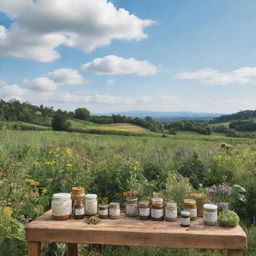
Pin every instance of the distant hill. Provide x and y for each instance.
(167, 116)
(241, 115)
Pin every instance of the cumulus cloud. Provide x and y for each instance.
(52, 80)
(244, 75)
(41, 26)
(114, 65)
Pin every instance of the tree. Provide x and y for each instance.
(82, 113)
(60, 123)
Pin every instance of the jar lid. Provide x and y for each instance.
(78, 190)
(210, 206)
(61, 196)
(189, 201)
(171, 203)
(157, 200)
(185, 213)
(114, 204)
(91, 196)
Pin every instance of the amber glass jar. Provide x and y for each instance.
(61, 206)
(157, 209)
(201, 199)
(171, 211)
(131, 207)
(144, 210)
(190, 205)
(77, 192)
(78, 202)
(103, 211)
(114, 210)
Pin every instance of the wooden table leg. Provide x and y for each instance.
(233, 252)
(72, 249)
(34, 248)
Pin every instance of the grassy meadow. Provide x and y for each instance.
(36, 164)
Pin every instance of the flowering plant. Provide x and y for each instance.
(131, 193)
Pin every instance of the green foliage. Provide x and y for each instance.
(82, 113)
(228, 219)
(60, 123)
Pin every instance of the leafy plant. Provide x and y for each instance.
(228, 219)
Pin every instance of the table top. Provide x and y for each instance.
(135, 232)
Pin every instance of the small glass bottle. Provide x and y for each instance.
(157, 209)
(190, 205)
(103, 211)
(144, 210)
(91, 205)
(61, 206)
(78, 208)
(185, 219)
(210, 214)
(131, 207)
(114, 210)
(171, 211)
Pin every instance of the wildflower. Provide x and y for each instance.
(35, 163)
(68, 150)
(50, 180)
(50, 152)
(31, 182)
(50, 162)
(223, 206)
(69, 165)
(57, 149)
(7, 211)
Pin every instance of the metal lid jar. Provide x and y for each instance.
(171, 211)
(91, 204)
(144, 210)
(103, 211)
(114, 210)
(61, 206)
(190, 205)
(157, 208)
(210, 214)
(185, 218)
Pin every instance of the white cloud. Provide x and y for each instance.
(66, 76)
(41, 26)
(114, 65)
(244, 75)
(110, 82)
(52, 80)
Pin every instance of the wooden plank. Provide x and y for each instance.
(134, 232)
(72, 249)
(34, 248)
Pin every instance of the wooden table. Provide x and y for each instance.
(133, 232)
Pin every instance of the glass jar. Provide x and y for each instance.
(61, 206)
(91, 205)
(190, 205)
(185, 219)
(131, 207)
(171, 211)
(114, 210)
(77, 192)
(103, 211)
(157, 209)
(201, 199)
(144, 210)
(78, 202)
(210, 214)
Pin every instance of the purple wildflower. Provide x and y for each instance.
(223, 206)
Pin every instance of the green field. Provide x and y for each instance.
(36, 164)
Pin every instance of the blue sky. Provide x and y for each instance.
(165, 55)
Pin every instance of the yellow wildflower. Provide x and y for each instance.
(57, 149)
(68, 150)
(69, 165)
(35, 163)
(7, 211)
(50, 152)
(50, 162)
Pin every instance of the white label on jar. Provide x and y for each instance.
(144, 211)
(61, 207)
(157, 213)
(193, 212)
(131, 209)
(103, 212)
(114, 212)
(171, 213)
(185, 221)
(91, 207)
(79, 211)
(210, 217)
